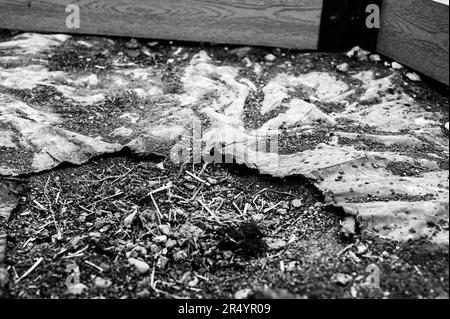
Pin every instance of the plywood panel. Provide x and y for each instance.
(415, 33)
(282, 23)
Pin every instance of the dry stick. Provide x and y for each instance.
(198, 178)
(162, 188)
(40, 259)
(87, 262)
(157, 209)
(206, 207)
(272, 207)
(237, 208)
(51, 209)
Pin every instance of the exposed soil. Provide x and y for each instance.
(204, 255)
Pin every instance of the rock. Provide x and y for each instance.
(162, 262)
(281, 211)
(160, 166)
(348, 226)
(341, 279)
(105, 267)
(297, 203)
(129, 219)
(165, 229)
(446, 126)
(141, 266)
(413, 77)
(270, 58)
(375, 58)
(396, 66)
(180, 256)
(76, 289)
(275, 243)
(162, 239)
(171, 243)
(360, 248)
(360, 54)
(242, 294)
(343, 67)
(102, 282)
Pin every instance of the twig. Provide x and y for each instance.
(87, 262)
(40, 259)
(198, 178)
(206, 207)
(237, 208)
(157, 208)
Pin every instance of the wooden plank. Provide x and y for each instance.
(415, 33)
(280, 23)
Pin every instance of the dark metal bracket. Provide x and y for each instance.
(343, 25)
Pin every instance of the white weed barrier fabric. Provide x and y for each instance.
(386, 158)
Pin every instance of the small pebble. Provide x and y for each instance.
(102, 282)
(343, 67)
(375, 58)
(297, 203)
(270, 58)
(162, 239)
(396, 66)
(141, 266)
(413, 77)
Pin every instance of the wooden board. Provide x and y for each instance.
(415, 33)
(279, 23)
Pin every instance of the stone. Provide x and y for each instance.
(129, 219)
(165, 229)
(102, 282)
(162, 239)
(162, 262)
(375, 58)
(76, 289)
(413, 77)
(297, 203)
(348, 226)
(141, 266)
(360, 248)
(396, 66)
(343, 67)
(270, 58)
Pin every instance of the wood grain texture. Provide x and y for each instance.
(415, 33)
(281, 23)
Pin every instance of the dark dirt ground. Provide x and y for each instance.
(75, 215)
(225, 254)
